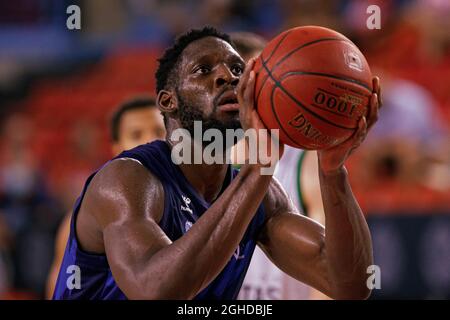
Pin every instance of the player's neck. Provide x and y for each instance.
(207, 179)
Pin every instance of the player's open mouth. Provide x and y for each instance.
(228, 102)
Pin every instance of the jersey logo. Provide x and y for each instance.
(187, 226)
(187, 202)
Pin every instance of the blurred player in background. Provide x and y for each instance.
(298, 173)
(135, 122)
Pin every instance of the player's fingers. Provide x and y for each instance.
(372, 116)
(380, 98)
(241, 85)
(357, 137)
(375, 84)
(249, 68)
(250, 89)
(243, 81)
(360, 135)
(240, 91)
(377, 89)
(362, 131)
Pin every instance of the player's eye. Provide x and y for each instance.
(237, 69)
(202, 69)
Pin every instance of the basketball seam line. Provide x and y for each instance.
(270, 56)
(300, 105)
(272, 105)
(274, 49)
(321, 74)
(331, 111)
(288, 55)
(327, 92)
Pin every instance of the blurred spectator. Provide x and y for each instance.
(136, 121)
(5, 245)
(305, 12)
(20, 12)
(29, 213)
(409, 114)
(405, 149)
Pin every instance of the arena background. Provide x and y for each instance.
(58, 87)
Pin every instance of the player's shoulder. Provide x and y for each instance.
(157, 150)
(122, 192)
(123, 174)
(123, 184)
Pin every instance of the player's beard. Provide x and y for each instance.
(188, 113)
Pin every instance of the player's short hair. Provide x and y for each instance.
(168, 63)
(247, 42)
(128, 105)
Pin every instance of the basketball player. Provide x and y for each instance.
(297, 172)
(146, 228)
(135, 122)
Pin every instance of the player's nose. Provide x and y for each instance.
(224, 76)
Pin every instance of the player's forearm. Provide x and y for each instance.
(194, 260)
(348, 245)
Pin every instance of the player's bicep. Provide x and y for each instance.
(129, 246)
(127, 202)
(294, 242)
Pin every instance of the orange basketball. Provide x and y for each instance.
(313, 84)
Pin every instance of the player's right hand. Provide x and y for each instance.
(249, 116)
(245, 93)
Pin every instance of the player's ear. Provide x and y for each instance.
(167, 101)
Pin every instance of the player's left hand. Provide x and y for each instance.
(333, 159)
